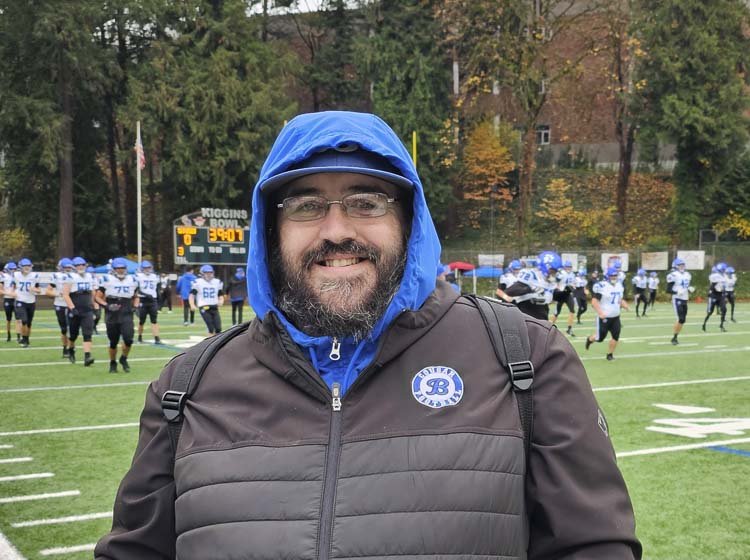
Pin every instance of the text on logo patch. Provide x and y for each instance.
(437, 386)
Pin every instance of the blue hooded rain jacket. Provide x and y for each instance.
(302, 137)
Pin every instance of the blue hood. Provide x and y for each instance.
(301, 137)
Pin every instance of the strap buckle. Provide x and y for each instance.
(522, 375)
(172, 403)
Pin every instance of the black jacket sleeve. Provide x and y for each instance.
(143, 524)
(578, 504)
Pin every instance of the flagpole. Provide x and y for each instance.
(138, 196)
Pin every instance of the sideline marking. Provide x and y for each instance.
(8, 551)
(16, 460)
(26, 476)
(67, 549)
(60, 362)
(27, 498)
(6, 446)
(674, 448)
(69, 519)
(74, 429)
(672, 383)
(663, 354)
(65, 387)
(715, 346)
(730, 450)
(667, 343)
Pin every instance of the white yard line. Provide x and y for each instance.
(67, 387)
(60, 362)
(26, 476)
(67, 549)
(16, 460)
(56, 520)
(30, 497)
(672, 383)
(6, 446)
(73, 429)
(664, 354)
(668, 342)
(8, 551)
(687, 447)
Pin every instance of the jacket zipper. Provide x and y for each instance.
(333, 455)
(335, 350)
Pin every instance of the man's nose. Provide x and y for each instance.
(336, 225)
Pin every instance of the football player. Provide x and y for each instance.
(563, 294)
(207, 294)
(9, 302)
(640, 283)
(653, 286)
(79, 298)
(55, 289)
(608, 298)
(678, 284)
(532, 291)
(716, 295)
(148, 300)
(581, 292)
(508, 279)
(25, 286)
(118, 295)
(729, 283)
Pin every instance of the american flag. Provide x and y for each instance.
(139, 152)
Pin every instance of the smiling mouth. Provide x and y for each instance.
(340, 262)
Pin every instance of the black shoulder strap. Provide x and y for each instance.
(510, 338)
(187, 376)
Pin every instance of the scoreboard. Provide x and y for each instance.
(210, 245)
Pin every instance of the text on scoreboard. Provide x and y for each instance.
(210, 245)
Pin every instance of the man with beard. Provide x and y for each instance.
(363, 412)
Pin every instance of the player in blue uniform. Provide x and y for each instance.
(640, 285)
(508, 279)
(183, 287)
(207, 295)
(25, 286)
(608, 298)
(55, 289)
(118, 295)
(653, 286)
(581, 293)
(79, 298)
(678, 284)
(9, 302)
(532, 292)
(729, 283)
(563, 294)
(716, 295)
(148, 300)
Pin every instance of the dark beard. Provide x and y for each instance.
(302, 306)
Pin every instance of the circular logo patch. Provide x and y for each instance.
(437, 386)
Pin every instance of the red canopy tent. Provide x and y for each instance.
(459, 265)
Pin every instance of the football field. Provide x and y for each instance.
(679, 418)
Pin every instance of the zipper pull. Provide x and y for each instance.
(335, 349)
(336, 401)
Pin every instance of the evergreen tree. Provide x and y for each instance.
(697, 54)
(210, 96)
(48, 69)
(406, 61)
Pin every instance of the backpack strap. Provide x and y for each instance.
(186, 378)
(510, 339)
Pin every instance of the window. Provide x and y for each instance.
(542, 134)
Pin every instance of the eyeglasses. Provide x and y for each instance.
(307, 208)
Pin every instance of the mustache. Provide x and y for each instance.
(327, 248)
